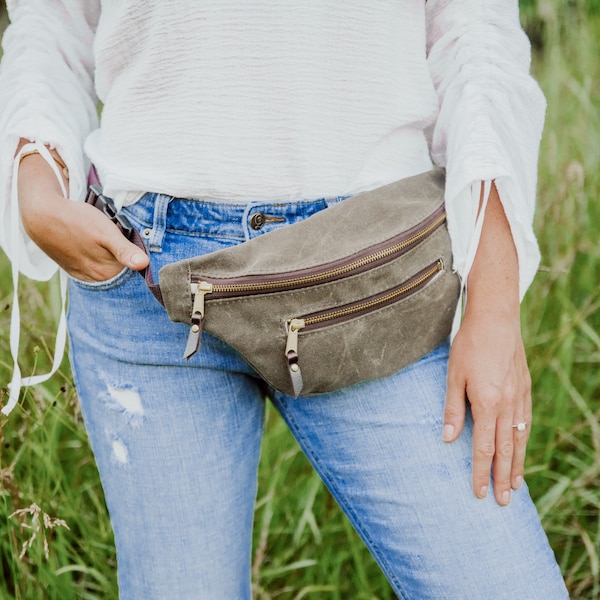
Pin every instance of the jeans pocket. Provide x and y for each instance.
(109, 284)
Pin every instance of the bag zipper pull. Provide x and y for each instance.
(291, 355)
(199, 290)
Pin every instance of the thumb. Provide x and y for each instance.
(127, 253)
(454, 411)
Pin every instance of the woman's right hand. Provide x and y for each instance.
(77, 236)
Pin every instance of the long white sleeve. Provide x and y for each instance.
(46, 95)
(490, 121)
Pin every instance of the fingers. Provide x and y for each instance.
(503, 459)
(521, 437)
(522, 415)
(509, 458)
(493, 444)
(499, 443)
(484, 449)
(454, 412)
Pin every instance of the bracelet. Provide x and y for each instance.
(57, 160)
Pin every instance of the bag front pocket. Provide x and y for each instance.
(345, 314)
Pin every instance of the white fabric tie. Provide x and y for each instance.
(472, 250)
(18, 381)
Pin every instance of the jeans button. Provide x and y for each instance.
(257, 220)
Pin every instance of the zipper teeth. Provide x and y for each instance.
(357, 264)
(374, 303)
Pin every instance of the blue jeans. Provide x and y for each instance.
(177, 444)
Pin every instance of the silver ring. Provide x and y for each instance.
(520, 426)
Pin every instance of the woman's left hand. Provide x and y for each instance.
(487, 365)
(488, 369)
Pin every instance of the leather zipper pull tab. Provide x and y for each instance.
(291, 355)
(199, 291)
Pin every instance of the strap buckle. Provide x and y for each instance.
(96, 198)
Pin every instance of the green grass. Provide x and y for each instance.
(561, 317)
(303, 547)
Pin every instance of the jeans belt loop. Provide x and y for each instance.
(154, 237)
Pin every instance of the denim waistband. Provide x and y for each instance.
(227, 219)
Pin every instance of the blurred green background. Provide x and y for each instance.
(303, 547)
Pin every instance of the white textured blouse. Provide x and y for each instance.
(237, 100)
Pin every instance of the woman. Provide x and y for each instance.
(213, 113)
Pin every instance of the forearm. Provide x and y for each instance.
(493, 282)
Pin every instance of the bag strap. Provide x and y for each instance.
(96, 198)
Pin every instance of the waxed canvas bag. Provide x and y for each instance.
(355, 292)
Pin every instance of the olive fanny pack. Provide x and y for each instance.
(355, 292)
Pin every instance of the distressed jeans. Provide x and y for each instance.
(177, 444)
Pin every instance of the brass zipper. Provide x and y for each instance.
(373, 304)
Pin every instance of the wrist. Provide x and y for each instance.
(45, 161)
(36, 177)
(64, 171)
(44, 217)
(494, 289)
(501, 307)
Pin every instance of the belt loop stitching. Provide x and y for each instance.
(159, 224)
